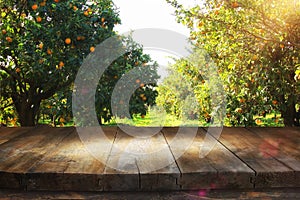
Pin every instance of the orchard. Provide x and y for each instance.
(43, 43)
(255, 44)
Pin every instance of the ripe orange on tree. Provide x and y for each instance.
(86, 13)
(34, 7)
(18, 70)
(56, 1)
(102, 19)
(49, 51)
(4, 31)
(281, 46)
(255, 57)
(23, 15)
(258, 121)
(235, 4)
(79, 38)
(274, 102)
(61, 64)
(242, 100)
(68, 41)
(92, 49)
(9, 39)
(43, 3)
(137, 81)
(38, 19)
(41, 45)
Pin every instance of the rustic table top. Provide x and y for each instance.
(56, 159)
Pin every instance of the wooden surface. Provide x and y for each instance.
(55, 159)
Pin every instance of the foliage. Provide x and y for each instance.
(43, 44)
(193, 90)
(255, 43)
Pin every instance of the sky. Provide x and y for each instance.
(138, 14)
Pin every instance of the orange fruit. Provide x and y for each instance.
(41, 45)
(86, 13)
(43, 3)
(92, 49)
(49, 51)
(75, 8)
(137, 81)
(34, 7)
(61, 64)
(235, 4)
(242, 101)
(255, 57)
(4, 31)
(23, 15)
(9, 39)
(78, 38)
(18, 70)
(281, 46)
(61, 120)
(142, 85)
(38, 19)
(274, 102)
(136, 63)
(144, 98)
(68, 41)
(102, 19)
(56, 1)
(258, 121)
(89, 10)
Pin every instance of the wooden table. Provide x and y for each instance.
(55, 159)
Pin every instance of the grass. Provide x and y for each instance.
(156, 118)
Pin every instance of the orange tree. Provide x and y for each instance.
(256, 45)
(43, 44)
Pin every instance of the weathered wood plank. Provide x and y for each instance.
(269, 171)
(156, 164)
(22, 152)
(42, 141)
(219, 169)
(195, 172)
(7, 134)
(121, 171)
(70, 166)
(47, 174)
(282, 144)
(86, 171)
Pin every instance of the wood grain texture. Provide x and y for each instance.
(219, 169)
(251, 149)
(69, 159)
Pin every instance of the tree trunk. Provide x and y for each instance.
(27, 110)
(289, 115)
